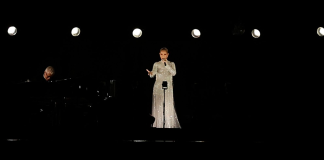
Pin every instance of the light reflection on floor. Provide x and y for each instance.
(161, 141)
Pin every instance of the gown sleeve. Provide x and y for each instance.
(154, 70)
(171, 68)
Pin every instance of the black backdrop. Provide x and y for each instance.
(261, 82)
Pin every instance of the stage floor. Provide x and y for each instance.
(139, 135)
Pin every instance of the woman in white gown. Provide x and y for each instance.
(164, 70)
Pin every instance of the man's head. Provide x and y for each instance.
(49, 73)
(164, 53)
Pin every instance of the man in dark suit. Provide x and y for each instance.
(39, 88)
(21, 111)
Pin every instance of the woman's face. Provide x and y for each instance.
(164, 54)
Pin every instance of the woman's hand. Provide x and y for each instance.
(149, 72)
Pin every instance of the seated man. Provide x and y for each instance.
(32, 109)
(40, 97)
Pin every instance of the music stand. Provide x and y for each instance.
(164, 87)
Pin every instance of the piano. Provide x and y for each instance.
(74, 102)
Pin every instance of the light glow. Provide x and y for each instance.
(12, 31)
(195, 33)
(137, 33)
(320, 31)
(256, 33)
(75, 31)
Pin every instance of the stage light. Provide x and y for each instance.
(256, 33)
(75, 31)
(195, 33)
(320, 31)
(137, 33)
(12, 31)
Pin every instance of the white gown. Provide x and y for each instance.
(164, 73)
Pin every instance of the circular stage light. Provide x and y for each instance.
(195, 33)
(137, 33)
(75, 31)
(320, 31)
(256, 33)
(12, 31)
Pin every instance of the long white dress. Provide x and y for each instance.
(164, 73)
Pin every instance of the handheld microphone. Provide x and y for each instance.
(164, 62)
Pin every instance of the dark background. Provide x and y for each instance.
(266, 84)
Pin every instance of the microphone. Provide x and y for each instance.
(164, 62)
